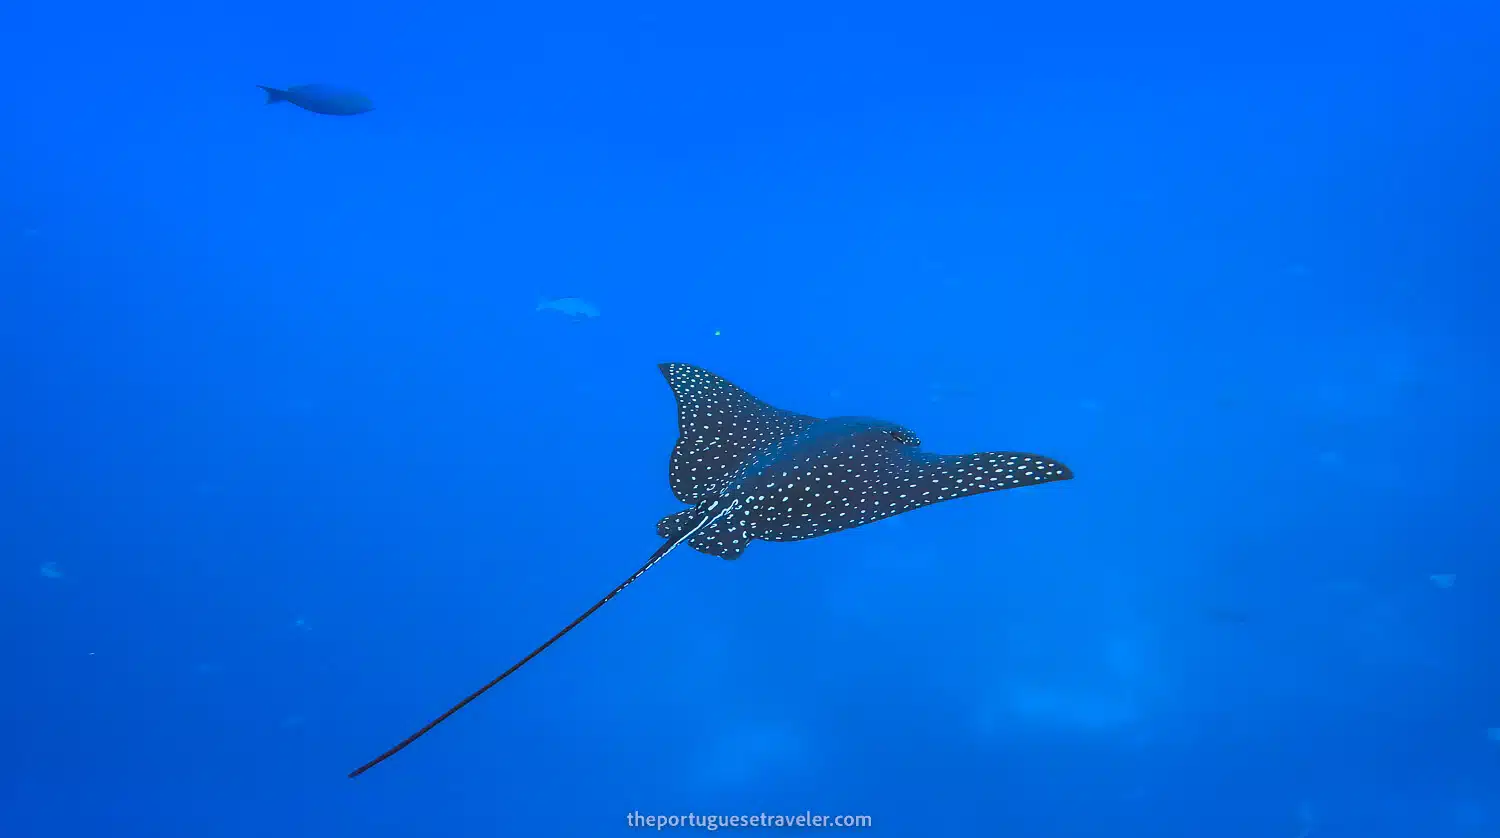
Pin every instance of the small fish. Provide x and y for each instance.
(1443, 580)
(320, 98)
(752, 471)
(575, 307)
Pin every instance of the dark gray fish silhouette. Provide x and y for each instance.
(752, 471)
(320, 98)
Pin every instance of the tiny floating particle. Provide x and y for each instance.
(1443, 580)
(50, 570)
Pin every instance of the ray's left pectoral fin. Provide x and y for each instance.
(956, 475)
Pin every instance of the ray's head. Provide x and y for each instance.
(878, 430)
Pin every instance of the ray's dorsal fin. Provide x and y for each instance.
(677, 523)
(720, 429)
(680, 522)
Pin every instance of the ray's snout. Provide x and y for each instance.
(905, 437)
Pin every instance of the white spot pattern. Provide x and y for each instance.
(865, 478)
(798, 477)
(721, 428)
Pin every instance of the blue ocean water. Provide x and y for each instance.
(292, 461)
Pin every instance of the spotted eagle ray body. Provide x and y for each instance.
(753, 471)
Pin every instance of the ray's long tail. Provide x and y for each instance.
(660, 553)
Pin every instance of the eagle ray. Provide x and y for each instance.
(753, 471)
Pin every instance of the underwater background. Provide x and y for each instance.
(299, 449)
